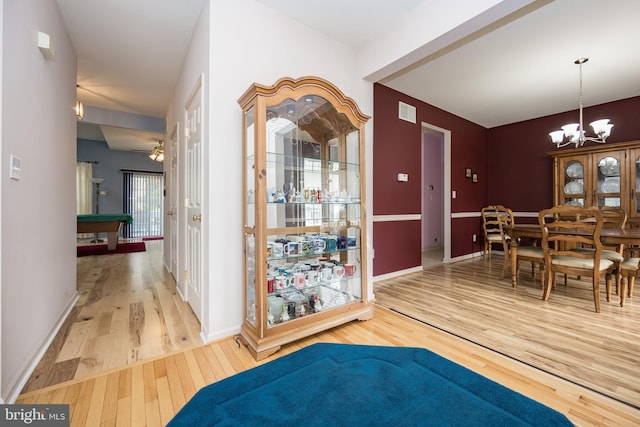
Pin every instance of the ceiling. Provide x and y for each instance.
(130, 53)
(129, 56)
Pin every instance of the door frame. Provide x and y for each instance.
(446, 188)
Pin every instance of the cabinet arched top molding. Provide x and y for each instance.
(288, 87)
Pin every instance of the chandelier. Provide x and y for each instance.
(574, 132)
(158, 153)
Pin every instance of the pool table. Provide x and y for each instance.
(104, 223)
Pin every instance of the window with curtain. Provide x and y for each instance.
(84, 187)
(142, 194)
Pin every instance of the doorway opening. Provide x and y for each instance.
(436, 205)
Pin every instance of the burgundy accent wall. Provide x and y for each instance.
(512, 162)
(397, 148)
(398, 247)
(520, 168)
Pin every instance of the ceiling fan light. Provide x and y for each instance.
(158, 153)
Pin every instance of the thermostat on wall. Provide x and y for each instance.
(403, 177)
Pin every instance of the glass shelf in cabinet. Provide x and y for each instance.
(312, 255)
(323, 202)
(288, 158)
(299, 303)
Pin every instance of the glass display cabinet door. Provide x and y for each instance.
(573, 188)
(608, 188)
(304, 216)
(250, 219)
(634, 183)
(313, 209)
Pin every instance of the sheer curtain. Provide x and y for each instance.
(84, 187)
(84, 191)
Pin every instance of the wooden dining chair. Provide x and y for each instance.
(565, 227)
(535, 255)
(629, 270)
(611, 218)
(496, 220)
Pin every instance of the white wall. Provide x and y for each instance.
(241, 42)
(430, 27)
(243, 49)
(195, 66)
(38, 263)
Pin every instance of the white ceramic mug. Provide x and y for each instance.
(313, 276)
(291, 248)
(277, 250)
(338, 272)
(318, 246)
(299, 280)
(281, 282)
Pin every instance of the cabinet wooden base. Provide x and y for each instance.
(261, 348)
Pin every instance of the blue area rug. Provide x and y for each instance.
(357, 385)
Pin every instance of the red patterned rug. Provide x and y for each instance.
(122, 248)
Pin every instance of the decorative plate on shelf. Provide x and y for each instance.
(574, 170)
(610, 169)
(610, 185)
(574, 187)
(574, 202)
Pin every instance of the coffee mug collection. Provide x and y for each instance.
(307, 274)
(308, 244)
(296, 290)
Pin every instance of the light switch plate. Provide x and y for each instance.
(15, 167)
(403, 177)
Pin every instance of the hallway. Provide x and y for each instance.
(128, 311)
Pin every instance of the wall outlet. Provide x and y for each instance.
(474, 238)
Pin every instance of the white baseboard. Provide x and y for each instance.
(397, 273)
(419, 267)
(20, 379)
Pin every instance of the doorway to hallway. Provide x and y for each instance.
(436, 207)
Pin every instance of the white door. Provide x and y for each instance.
(193, 202)
(173, 205)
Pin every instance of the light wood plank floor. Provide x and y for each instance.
(128, 310)
(151, 391)
(563, 336)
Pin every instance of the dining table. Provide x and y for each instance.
(608, 236)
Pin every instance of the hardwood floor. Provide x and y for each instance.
(432, 257)
(563, 336)
(151, 391)
(128, 310)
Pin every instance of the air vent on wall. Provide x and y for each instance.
(407, 112)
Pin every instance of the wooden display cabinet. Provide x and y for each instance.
(304, 215)
(603, 175)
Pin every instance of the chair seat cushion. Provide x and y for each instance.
(531, 252)
(630, 264)
(575, 262)
(606, 254)
(496, 237)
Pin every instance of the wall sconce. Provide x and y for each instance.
(46, 46)
(79, 110)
